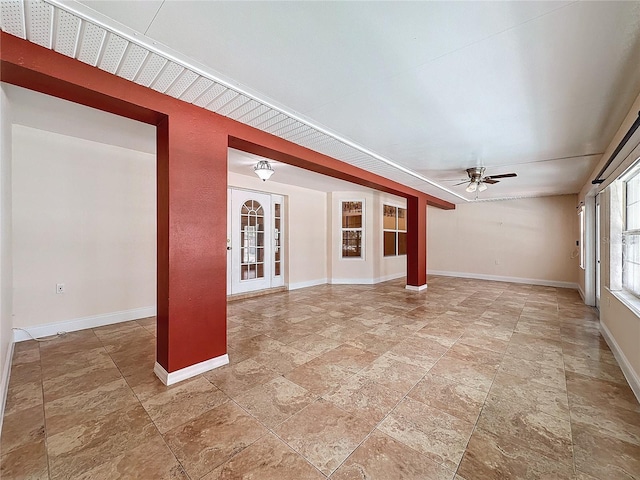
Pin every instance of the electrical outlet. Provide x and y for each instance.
(497, 262)
(59, 287)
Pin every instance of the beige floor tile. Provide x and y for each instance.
(603, 456)
(393, 374)
(319, 376)
(380, 457)
(365, 398)
(66, 412)
(432, 432)
(489, 457)
(152, 459)
(536, 396)
(314, 344)
(22, 428)
(324, 434)
(28, 461)
(472, 375)
(542, 433)
(531, 357)
(81, 380)
(267, 459)
(188, 400)
(456, 399)
(85, 446)
(275, 401)
(238, 378)
(213, 438)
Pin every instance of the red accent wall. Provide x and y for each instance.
(192, 186)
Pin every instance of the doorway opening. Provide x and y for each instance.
(255, 241)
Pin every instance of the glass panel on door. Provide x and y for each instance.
(251, 240)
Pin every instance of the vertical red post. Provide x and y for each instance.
(416, 243)
(192, 230)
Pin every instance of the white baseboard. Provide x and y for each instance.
(308, 283)
(345, 281)
(414, 288)
(366, 281)
(498, 278)
(190, 371)
(581, 292)
(629, 373)
(4, 381)
(83, 323)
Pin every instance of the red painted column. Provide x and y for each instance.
(192, 231)
(416, 243)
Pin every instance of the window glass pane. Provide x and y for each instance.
(402, 243)
(631, 263)
(277, 269)
(351, 214)
(389, 217)
(351, 243)
(402, 219)
(389, 243)
(277, 210)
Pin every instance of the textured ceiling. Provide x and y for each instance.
(413, 91)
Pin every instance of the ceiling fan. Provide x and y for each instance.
(479, 182)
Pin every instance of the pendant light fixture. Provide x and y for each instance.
(263, 170)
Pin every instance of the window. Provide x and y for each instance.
(352, 229)
(631, 233)
(582, 235)
(277, 240)
(394, 225)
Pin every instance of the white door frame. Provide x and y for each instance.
(235, 283)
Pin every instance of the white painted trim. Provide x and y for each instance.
(581, 292)
(629, 373)
(4, 383)
(392, 276)
(83, 323)
(498, 278)
(308, 283)
(414, 288)
(190, 371)
(365, 281)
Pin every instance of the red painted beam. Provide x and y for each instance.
(191, 204)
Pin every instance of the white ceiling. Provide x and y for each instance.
(536, 88)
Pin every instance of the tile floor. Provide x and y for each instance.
(468, 380)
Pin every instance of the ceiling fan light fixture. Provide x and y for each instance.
(264, 170)
(472, 187)
(482, 187)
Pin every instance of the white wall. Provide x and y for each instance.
(6, 267)
(84, 214)
(374, 266)
(307, 228)
(529, 239)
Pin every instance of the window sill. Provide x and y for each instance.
(628, 300)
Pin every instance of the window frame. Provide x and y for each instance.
(395, 230)
(361, 229)
(582, 240)
(633, 174)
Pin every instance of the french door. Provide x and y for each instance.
(255, 233)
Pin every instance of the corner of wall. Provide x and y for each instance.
(6, 264)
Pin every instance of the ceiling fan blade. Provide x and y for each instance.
(456, 184)
(490, 180)
(503, 175)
